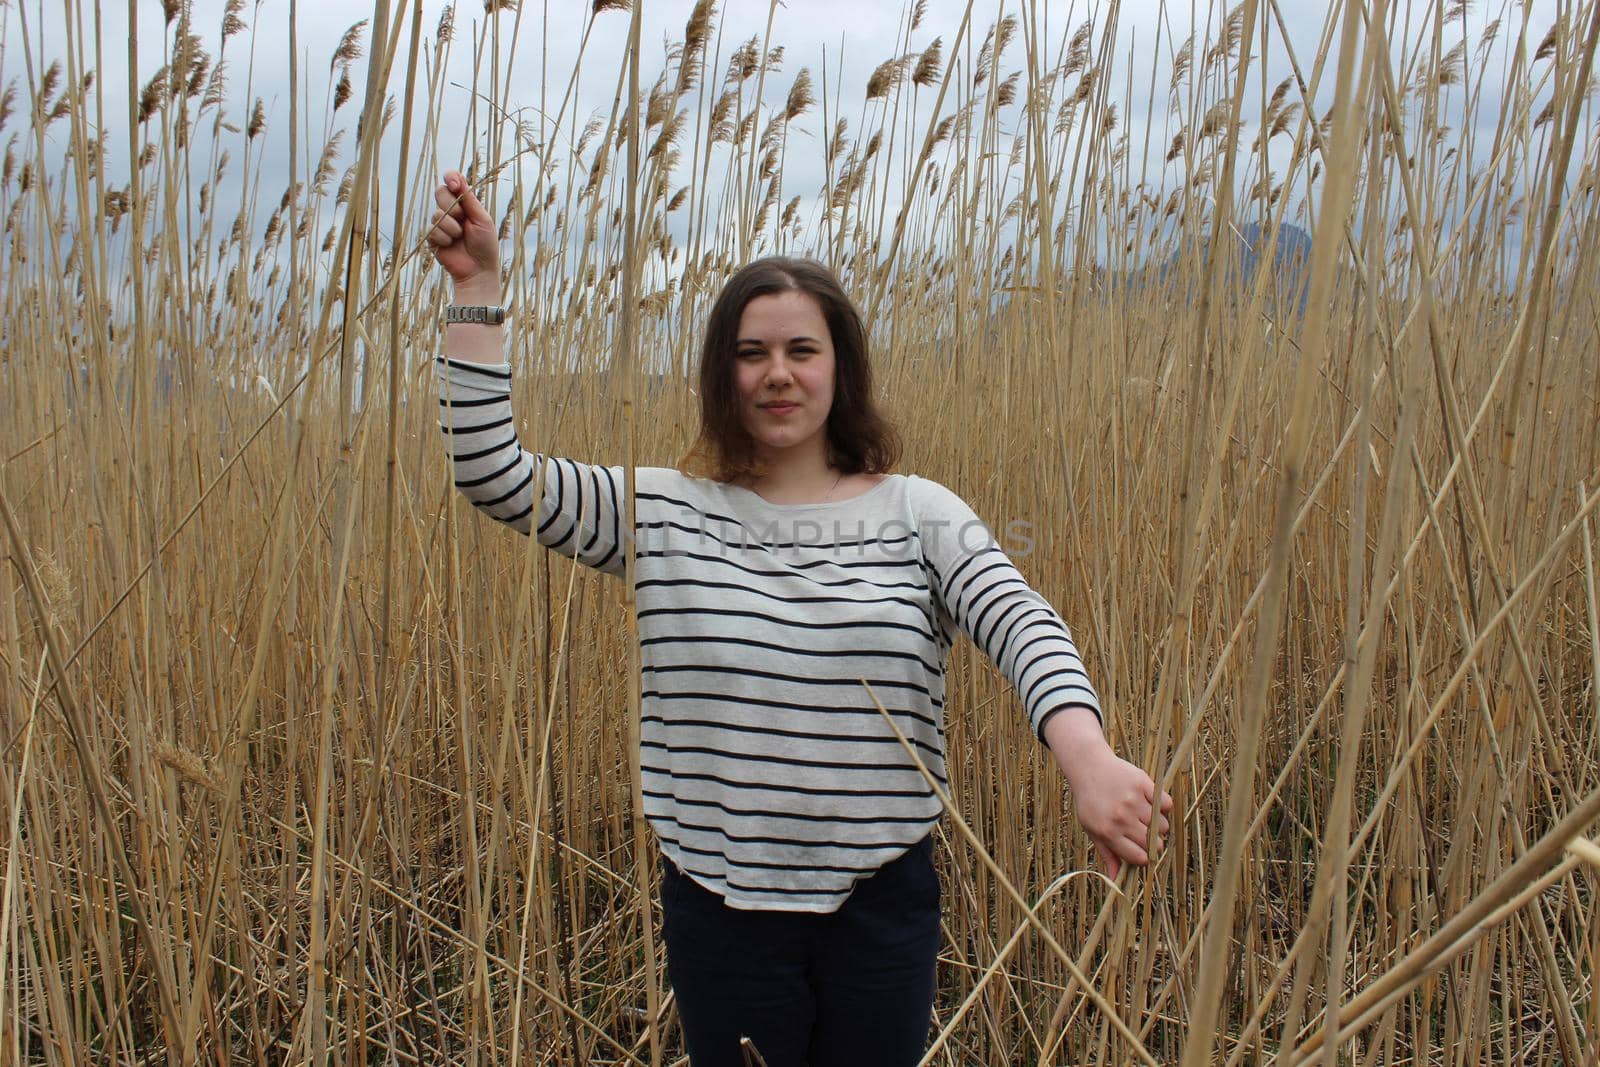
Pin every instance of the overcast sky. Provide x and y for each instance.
(849, 37)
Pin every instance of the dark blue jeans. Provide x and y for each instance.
(854, 987)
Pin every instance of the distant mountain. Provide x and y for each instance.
(1291, 257)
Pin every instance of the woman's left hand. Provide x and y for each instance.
(1116, 799)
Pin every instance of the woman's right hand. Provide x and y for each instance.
(463, 236)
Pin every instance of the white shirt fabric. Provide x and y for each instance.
(770, 776)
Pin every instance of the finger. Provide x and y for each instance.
(1166, 826)
(448, 201)
(1109, 858)
(1132, 851)
(473, 210)
(1166, 803)
(451, 202)
(448, 226)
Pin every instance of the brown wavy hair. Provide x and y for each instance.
(861, 439)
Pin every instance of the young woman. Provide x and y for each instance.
(800, 900)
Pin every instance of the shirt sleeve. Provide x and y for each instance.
(581, 509)
(979, 588)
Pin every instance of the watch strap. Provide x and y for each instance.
(481, 314)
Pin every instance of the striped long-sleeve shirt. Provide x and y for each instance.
(770, 776)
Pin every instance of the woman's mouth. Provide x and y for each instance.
(779, 408)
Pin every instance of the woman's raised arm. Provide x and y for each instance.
(466, 246)
(579, 513)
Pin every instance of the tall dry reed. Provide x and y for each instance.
(303, 760)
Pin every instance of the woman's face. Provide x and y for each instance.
(783, 366)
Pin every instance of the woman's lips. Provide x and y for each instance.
(779, 409)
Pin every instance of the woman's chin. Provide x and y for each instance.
(782, 445)
(779, 439)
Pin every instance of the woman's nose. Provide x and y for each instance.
(778, 372)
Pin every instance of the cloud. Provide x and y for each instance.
(529, 54)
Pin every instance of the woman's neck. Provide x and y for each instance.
(804, 478)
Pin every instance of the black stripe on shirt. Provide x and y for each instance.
(986, 641)
(476, 368)
(470, 483)
(803, 790)
(647, 583)
(459, 429)
(1028, 620)
(513, 491)
(719, 668)
(797, 565)
(558, 509)
(753, 864)
(1059, 672)
(748, 545)
(946, 582)
(755, 839)
(788, 650)
(808, 709)
(787, 761)
(616, 519)
(467, 457)
(787, 573)
(775, 620)
(696, 510)
(797, 735)
(761, 813)
(1085, 687)
(972, 610)
(594, 538)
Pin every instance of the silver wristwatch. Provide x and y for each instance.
(483, 314)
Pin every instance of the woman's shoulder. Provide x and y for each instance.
(674, 488)
(931, 499)
(670, 480)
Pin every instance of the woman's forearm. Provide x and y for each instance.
(471, 341)
(1077, 741)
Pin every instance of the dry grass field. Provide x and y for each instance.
(303, 760)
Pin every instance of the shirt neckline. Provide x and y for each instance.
(764, 502)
